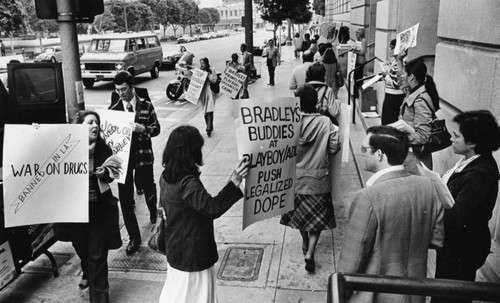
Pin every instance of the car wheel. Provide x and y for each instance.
(155, 71)
(174, 91)
(53, 60)
(88, 83)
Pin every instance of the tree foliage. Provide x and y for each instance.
(319, 7)
(301, 12)
(11, 16)
(189, 13)
(104, 22)
(275, 11)
(204, 17)
(139, 16)
(214, 16)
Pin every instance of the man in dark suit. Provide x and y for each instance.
(145, 126)
(247, 59)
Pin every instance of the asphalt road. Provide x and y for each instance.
(218, 51)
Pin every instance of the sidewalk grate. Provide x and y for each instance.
(144, 259)
(241, 264)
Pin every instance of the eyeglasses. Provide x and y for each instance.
(365, 148)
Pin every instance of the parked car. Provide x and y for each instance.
(195, 38)
(219, 34)
(184, 39)
(212, 35)
(172, 54)
(53, 54)
(109, 54)
(205, 36)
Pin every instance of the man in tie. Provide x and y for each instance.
(247, 58)
(145, 126)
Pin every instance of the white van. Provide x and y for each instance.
(108, 54)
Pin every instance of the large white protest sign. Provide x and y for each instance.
(117, 132)
(46, 174)
(267, 133)
(232, 81)
(406, 39)
(196, 85)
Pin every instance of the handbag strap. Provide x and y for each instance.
(431, 106)
(323, 95)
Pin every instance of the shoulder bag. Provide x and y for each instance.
(440, 137)
(157, 240)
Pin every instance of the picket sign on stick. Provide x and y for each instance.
(196, 85)
(406, 39)
(46, 174)
(232, 81)
(267, 131)
(116, 130)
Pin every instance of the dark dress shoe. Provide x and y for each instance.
(84, 283)
(140, 191)
(133, 246)
(310, 265)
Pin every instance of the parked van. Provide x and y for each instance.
(108, 54)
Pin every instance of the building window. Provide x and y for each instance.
(340, 6)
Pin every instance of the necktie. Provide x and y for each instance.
(129, 107)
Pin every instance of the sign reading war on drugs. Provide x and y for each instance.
(232, 81)
(196, 85)
(116, 130)
(267, 133)
(46, 174)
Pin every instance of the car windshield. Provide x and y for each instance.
(48, 50)
(107, 46)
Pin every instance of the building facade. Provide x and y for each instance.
(461, 40)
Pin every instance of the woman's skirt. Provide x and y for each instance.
(312, 213)
(189, 287)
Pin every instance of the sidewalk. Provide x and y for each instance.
(264, 263)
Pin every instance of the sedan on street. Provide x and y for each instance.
(52, 54)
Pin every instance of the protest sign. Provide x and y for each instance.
(117, 132)
(351, 63)
(343, 156)
(7, 266)
(267, 133)
(196, 85)
(232, 81)
(46, 174)
(406, 39)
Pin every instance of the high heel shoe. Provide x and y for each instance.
(84, 283)
(310, 265)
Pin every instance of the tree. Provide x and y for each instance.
(11, 17)
(319, 7)
(104, 22)
(275, 11)
(189, 14)
(139, 16)
(214, 17)
(204, 17)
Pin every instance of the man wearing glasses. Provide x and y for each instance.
(394, 220)
(145, 127)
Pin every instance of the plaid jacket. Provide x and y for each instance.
(141, 150)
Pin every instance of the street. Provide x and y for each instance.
(218, 51)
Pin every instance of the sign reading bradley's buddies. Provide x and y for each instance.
(232, 81)
(46, 175)
(196, 85)
(267, 134)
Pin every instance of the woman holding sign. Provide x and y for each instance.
(190, 211)
(207, 97)
(313, 212)
(93, 240)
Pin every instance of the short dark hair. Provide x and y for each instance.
(308, 56)
(479, 127)
(392, 142)
(393, 43)
(182, 155)
(234, 56)
(308, 98)
(315, 72)
(243, 45)
(124, 77)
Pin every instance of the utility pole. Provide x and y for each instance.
(249, 25)
(73, 88)
(125, 16)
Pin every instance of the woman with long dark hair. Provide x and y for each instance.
(93, 240)
(190, 211)
(331, 68)
(207, 97)
(473, 183)
(417, 110)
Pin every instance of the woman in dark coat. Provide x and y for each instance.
(473, 183)
(93, 240)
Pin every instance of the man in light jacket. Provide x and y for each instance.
(394, 220)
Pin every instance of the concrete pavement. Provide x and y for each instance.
(264, 263)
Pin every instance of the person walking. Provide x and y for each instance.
(2, 48)
(190, 212)
(394, 96)
(141, 157)
(297, 45)
(327, 104)
(273, 59)
(332, 66)
(473, 183)
(207, 97)
(298, 76)
(92, 240)
(313, 211)
(394, 220)
(247, 61)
